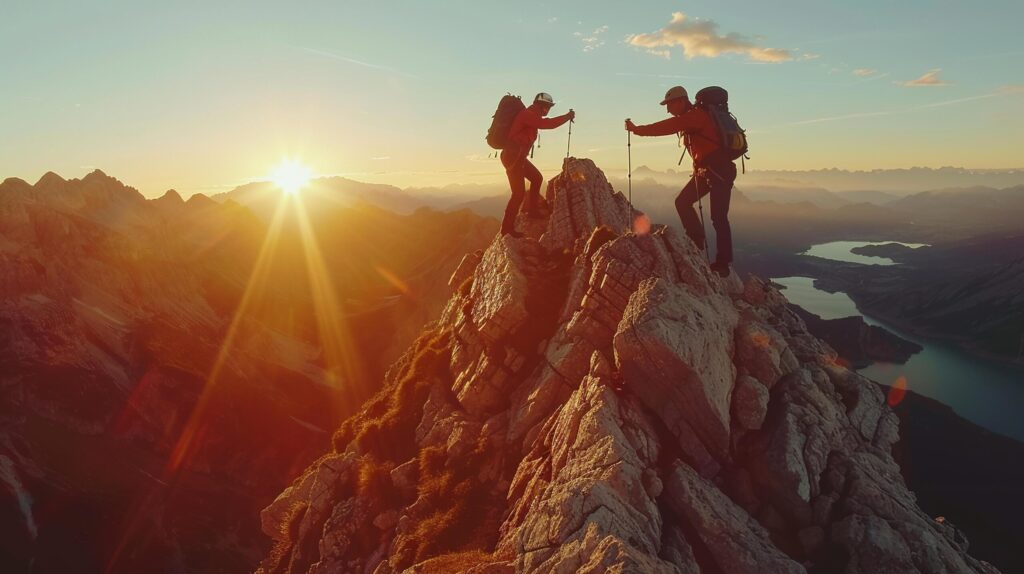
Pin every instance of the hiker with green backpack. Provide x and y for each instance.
(513, 131)
(715, 140)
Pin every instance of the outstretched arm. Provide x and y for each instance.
(665, 127)
(549, 123)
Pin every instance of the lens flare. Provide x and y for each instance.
(641, 224)
(897, 391)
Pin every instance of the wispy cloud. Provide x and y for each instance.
(929, 79)
(945, 103)
(341, 58)
(663, 76)
(840, 117)
(1000, 92)
(700, 38)
(865, 75)
(593, 40)
(1012, 89)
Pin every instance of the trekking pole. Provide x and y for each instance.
(568, 143)
(629, 174)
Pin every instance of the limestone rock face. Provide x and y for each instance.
(750, 402)
(582, 200)
(675, 350)
(596, 400)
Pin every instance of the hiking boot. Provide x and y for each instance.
(721, 268)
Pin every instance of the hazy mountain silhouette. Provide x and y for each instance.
(333, 192)
(894, 182)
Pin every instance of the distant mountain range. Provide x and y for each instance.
(897, 182)
(941, 193)
(333, 192)
(800, 216)
(114, 312)
(771, 220)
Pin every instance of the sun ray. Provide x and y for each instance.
(192, 429)
(256, 281)
(341, 359)
(345, 370)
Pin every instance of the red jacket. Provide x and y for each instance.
(695, 123)
(524, 128)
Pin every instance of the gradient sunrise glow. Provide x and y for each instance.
(202, 98)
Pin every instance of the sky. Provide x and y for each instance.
(204, 96)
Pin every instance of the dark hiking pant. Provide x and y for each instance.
(714, 181)
(519, 170)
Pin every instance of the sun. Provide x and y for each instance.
(291, 176)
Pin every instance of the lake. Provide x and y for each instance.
(988, 393)
(840, 251)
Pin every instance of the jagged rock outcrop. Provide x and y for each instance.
(596, 400)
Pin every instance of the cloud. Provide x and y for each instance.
(381, 158)
(662, 76)
(929, 79)
(700, 38)
(339, 57)
(1000, 92)
(594, 40)
(864, 72)
(836, 118)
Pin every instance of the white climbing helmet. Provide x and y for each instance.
(544, 98)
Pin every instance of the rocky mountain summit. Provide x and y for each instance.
(595, 400)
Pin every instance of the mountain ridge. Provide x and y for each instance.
(591, 400)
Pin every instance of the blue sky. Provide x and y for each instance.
(199, 96)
